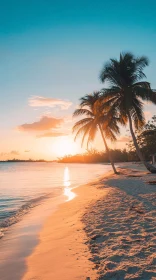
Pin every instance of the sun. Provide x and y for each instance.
(65, 146)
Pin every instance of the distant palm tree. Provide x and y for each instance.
(95, 119)
(127, 91)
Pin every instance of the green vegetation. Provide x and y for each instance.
(127, 91)
(146, 139)
(120, 103)
(94, 156)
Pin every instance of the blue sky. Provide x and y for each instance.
(55, 49)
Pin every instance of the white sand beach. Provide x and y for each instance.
(121, 227)
(107, 232)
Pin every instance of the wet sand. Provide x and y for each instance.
(62, 252)
(106, 232)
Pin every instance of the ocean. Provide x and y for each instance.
(25, 185)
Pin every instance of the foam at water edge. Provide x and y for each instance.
(24, 209)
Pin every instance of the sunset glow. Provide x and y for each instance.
(65, 146)
(51, 56)
(77, 140)
(66, 182)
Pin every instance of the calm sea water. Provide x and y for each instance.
(23, 185)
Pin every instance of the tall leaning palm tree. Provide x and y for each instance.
(127, 91)
(95, 119)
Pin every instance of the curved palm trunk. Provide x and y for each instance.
(107, 150)
(149, 167)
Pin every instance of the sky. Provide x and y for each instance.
(51, 54)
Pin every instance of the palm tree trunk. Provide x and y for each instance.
(140, 155)
(107, 150)
(135, 140)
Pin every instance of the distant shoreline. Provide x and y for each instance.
(57, 161)
(22, 160)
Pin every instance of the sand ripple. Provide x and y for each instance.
(121, 229)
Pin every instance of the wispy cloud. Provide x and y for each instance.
(13, 153)
(51, 134)
(16, 153)
(45, 123)
(40, 101)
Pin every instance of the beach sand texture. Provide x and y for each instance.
(121, 228)
(107, 232)
(62, 253)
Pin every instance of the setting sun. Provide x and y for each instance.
(65, 146)
(77, 140)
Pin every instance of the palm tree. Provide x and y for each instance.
(95, 119)
(127, 92)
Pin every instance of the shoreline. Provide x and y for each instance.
(22, 237)
(62, 240)
(106, 232)
(97, 234)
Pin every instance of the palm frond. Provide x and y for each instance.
(108, 93)
(137, 113)
(110, 74)
(142, 61)
(113, 126)
(123, 119)
(92, 133)
(125, 71)
(81, 123)
(81, 112)
(85, 135)
(144, 91)
(82, 130)
(110, 134)
(89, 99)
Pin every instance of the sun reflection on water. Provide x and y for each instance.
(66, 182)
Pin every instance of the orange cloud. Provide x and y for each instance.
(45, 123)
(51, 134)
(39, 101)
